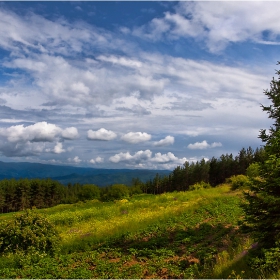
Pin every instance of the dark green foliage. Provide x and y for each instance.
(263, 199)
(135, 190)
(115, 192)
(28, 232)
(88, 192)
(253, 170)
(267, 262)
(239, 182)
(16, 195)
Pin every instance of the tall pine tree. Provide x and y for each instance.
(263, 200)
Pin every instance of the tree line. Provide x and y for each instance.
(212, 172)
(22, 194)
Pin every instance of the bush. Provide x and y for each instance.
(115, 192)
(253, 170)
(198, 186)
(268, 262)
(238, 182)
(135, 190)
(89, 192)
(29, 232)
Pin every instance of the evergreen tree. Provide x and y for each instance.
(263, 207)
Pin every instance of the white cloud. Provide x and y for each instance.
(168, 140)
(153, 31)
(127, 157)
(97, 160)
(144, 159)
(58, 149)
(218, 23)
(38, 132)
(204, 145)
(35, 32)
(216, 144)
(76, 159)
(101, 134)
(136, 137)
(123, 61)
(169, 157)
(70, 133)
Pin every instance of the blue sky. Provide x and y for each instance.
(134, 84)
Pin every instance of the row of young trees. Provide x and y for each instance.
(17, 195)
(23, 194)
(213, 172)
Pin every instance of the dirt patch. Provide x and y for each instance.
(115, 260)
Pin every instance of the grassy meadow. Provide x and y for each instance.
(192, 234)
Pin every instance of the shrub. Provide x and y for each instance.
(89, 192)
(268, 262)
(253, 170)
(115, 192)
(135, 190)
(238, 182)
(198, 186)
(29, 232)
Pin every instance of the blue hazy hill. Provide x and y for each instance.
(71, 174)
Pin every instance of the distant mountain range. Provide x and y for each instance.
(71, 174)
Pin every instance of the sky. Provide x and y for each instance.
(140, 85)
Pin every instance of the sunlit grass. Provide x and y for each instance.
(98, 222)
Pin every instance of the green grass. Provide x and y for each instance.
(174, 235)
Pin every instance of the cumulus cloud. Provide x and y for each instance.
(58, 149)
(97, 160)
(204, 145)
(101, 134)
(30, 140)
(168, 140)
(169, 157)
(76, 160)
(38, 132)
(145, 159)
(70, 133)
(136, 137)
(127, 157)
